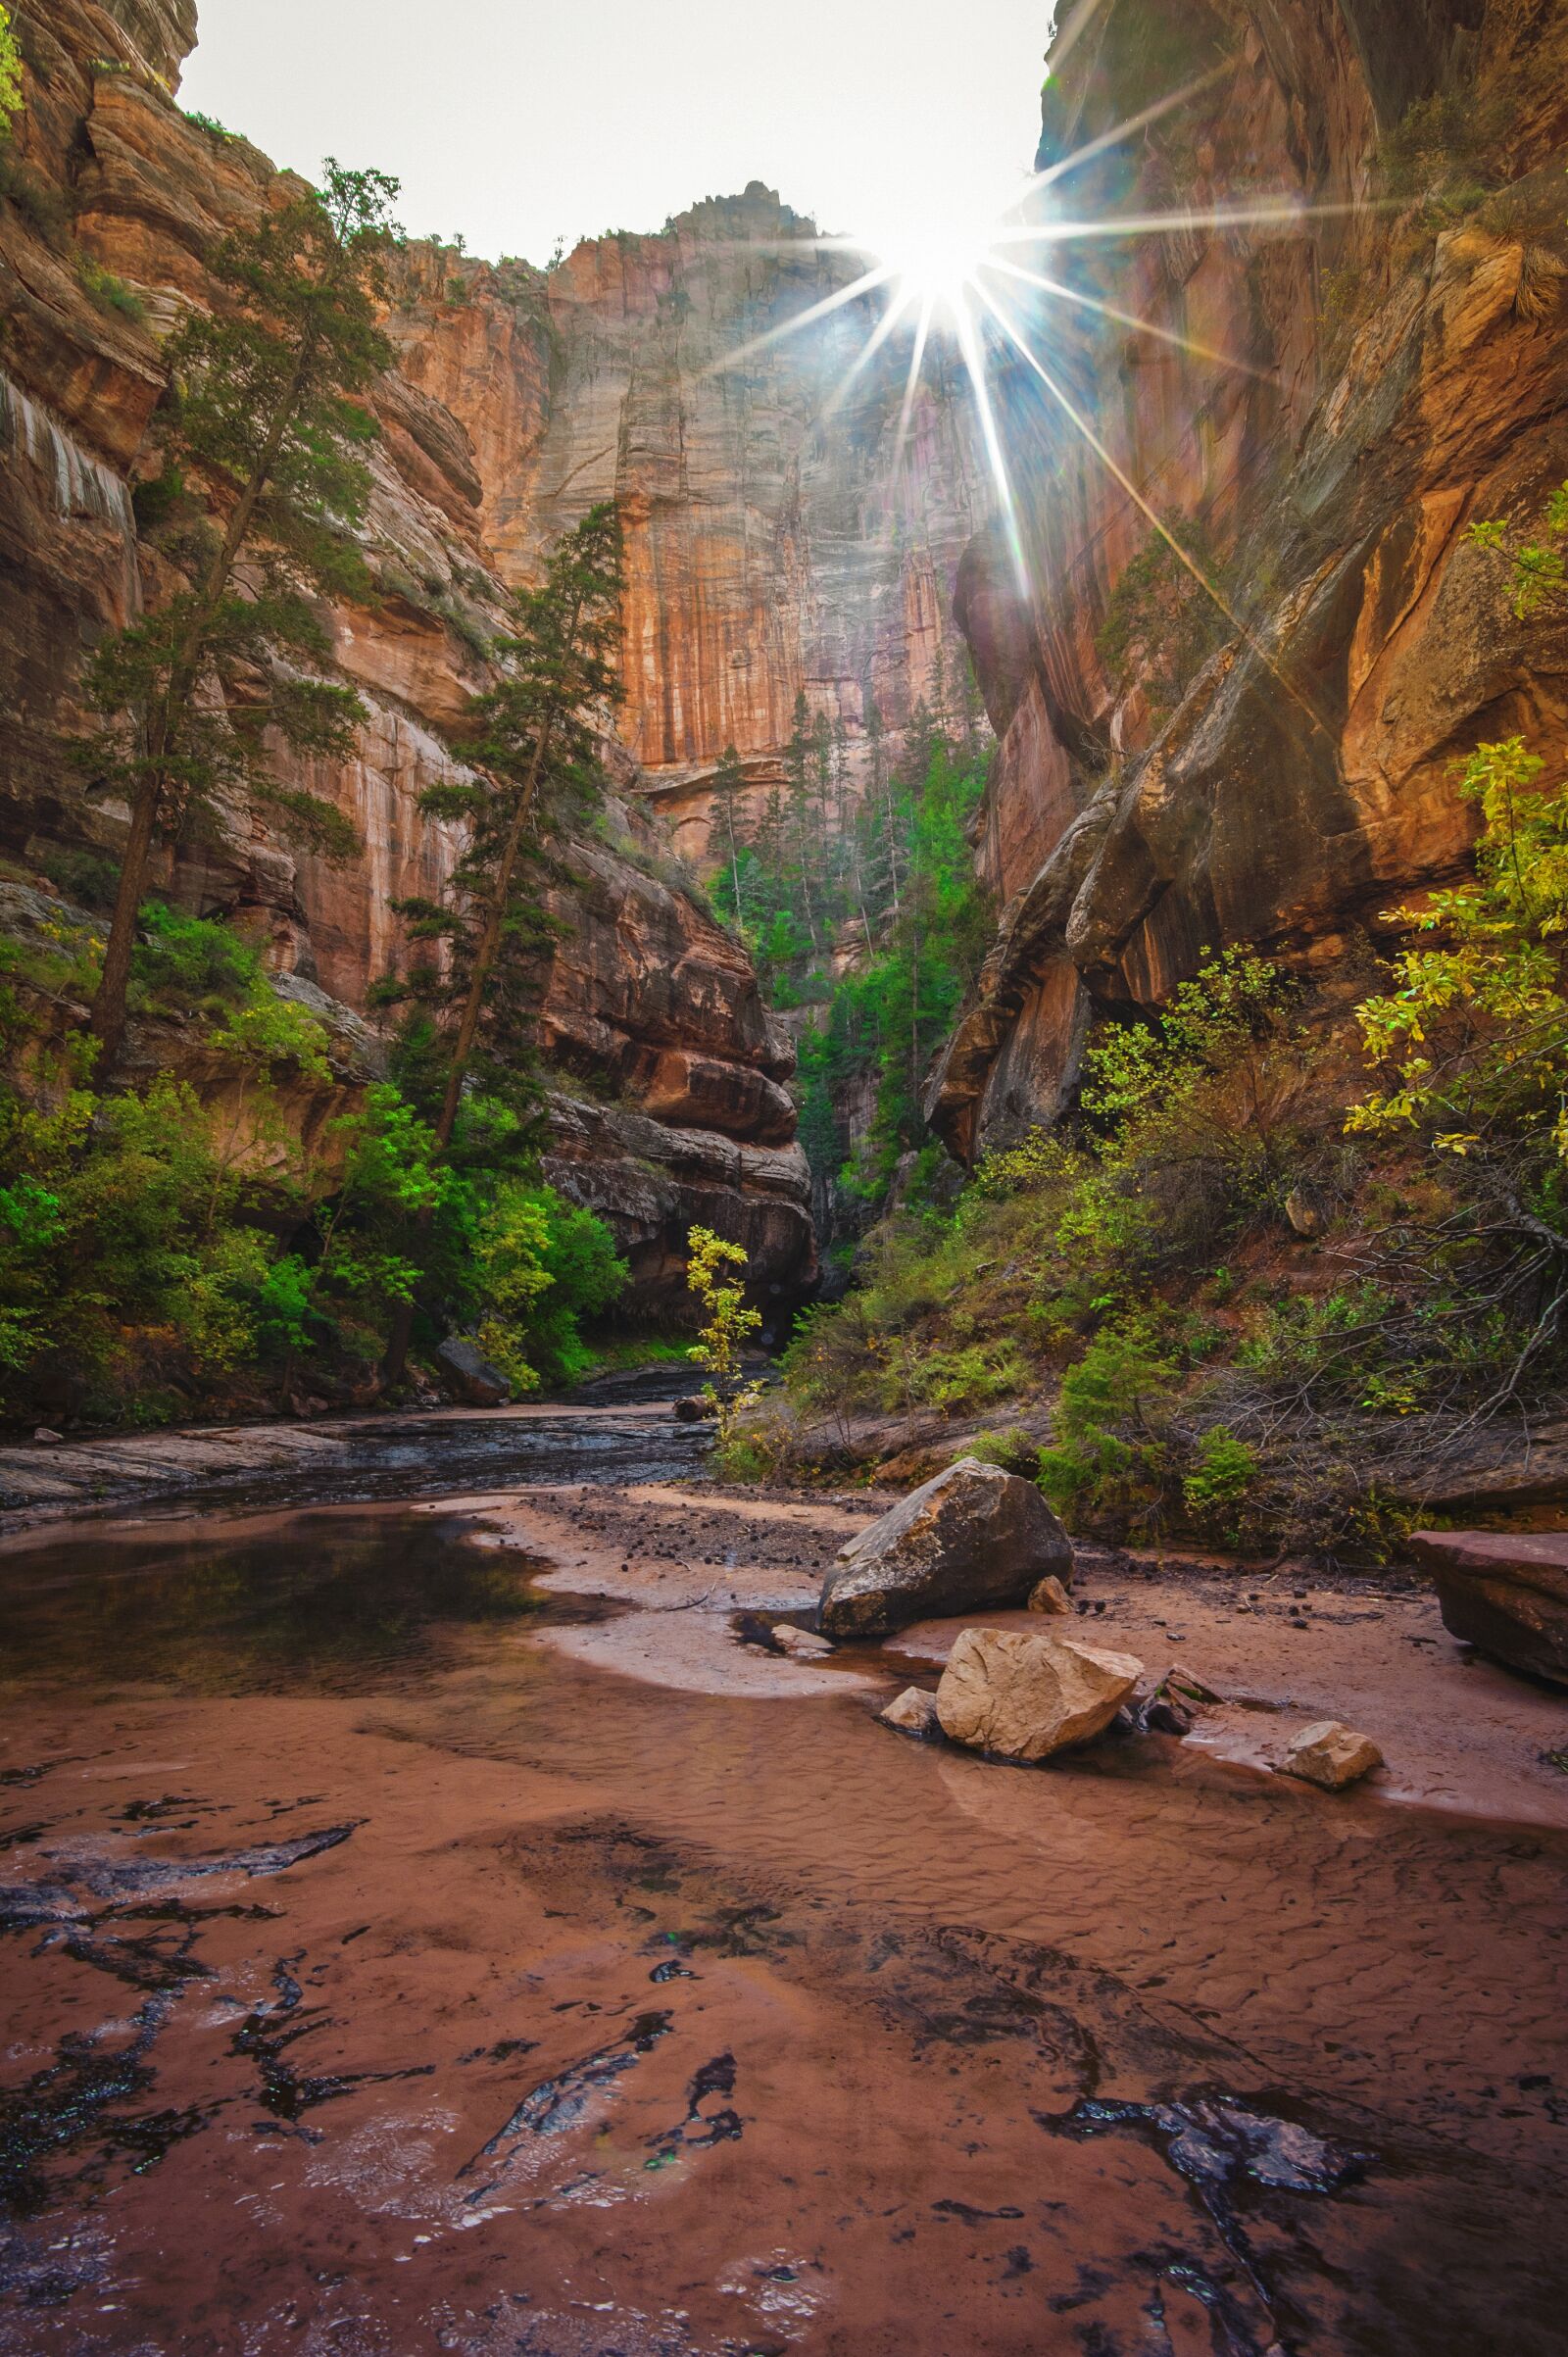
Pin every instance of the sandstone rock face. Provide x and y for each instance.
(1506, 1592)
(771, 545)
(913, 1712)
(1330, 1755)
(645, 1000)
(1024, 1696)
(972, 1537)
(1171, 777)
(653, 1183)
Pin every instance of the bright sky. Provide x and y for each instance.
(518, 121)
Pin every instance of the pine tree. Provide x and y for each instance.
(798, 769)
(533, 750)
(532, 745)
(263, 413)
(729, 781)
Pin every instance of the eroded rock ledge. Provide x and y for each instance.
(1168, 782)
(646, 999)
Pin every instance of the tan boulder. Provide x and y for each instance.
(974, 1536)
(1025, 1697)
(1050, 1596)
(1330, 1755)
(913, 1712)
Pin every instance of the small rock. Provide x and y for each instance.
(1162, 1714)
(48, 1437)
(800, 1644)
(1302, 1213)
(1025, 1697)
(914, 1712)
(693, 1411)
(1050, 1595)
(1187, 1681)
(1330, 1755)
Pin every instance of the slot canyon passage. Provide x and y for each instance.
(969, 832)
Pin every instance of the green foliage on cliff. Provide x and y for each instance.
(1160, 623)
(885, 891)
(264, 410)
(173, 1246)
(10, 73)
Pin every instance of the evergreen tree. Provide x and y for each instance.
(728, 782)
(533, 748)
(264, 413)
(798, 767)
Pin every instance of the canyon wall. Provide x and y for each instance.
(1316, 408)
(672, 1105)
(773, 548)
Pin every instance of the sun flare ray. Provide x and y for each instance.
(899, 304)
(865, 284)
(1125, 319)
(974, 362)
(1152, 515)
(913, 383)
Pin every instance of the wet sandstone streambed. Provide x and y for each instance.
(405, 1952)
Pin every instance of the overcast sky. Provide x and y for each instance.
(518, 121)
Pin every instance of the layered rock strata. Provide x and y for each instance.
(111, 199)
(1317, 406)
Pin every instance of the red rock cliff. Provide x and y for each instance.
(649, 1005)
(1170, 776)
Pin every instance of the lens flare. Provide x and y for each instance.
(932, 267)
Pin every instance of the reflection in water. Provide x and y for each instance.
(319, 1603)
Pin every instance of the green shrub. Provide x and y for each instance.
(1015, 1452)
(109, 292)
(1108, 1452)
(542, 1268)
(1223, 1472)
(88, 878)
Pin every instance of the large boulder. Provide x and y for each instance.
(1506, 1592)
(1024, 1696)
(469, 1374)
(974, 1536)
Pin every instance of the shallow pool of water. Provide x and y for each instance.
(378, 1981)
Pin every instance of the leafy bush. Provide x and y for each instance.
(1223, 1472)
(127, 1269)
(1108, 1423)
(542, 1266)
(9, 74)
(109, 292)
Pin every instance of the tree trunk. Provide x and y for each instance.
(109, 999)
(108, 1021)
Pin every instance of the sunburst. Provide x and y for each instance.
(954, 272)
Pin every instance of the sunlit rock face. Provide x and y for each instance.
(772, 547)
(648, 1006)
(1167, 782)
